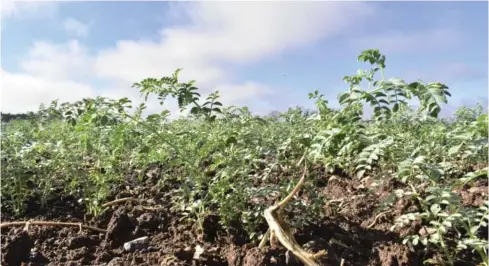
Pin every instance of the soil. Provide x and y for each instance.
(354, 231)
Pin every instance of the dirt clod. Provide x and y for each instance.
(395, 254)
(119, 229)
(18, 250)
(210, 227)
(254, 257)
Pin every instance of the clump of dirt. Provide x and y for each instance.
(234, 256)
(255, 256)
(119, 229)
(210, 228)
(474, 195)
(396, 254)
(18, 249)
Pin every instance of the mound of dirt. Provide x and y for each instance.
(353, 232)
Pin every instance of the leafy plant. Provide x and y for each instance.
(227, 162)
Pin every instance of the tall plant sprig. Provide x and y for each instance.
(197, 195)
(184, 92)
(340, 134)
(388, 96)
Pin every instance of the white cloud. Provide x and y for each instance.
(24, 92)
(216, 35)
(227, 33)
(57, 61)
(152, 105)
(248, 90)
(448, 72)
(251, 94)
(424, 41)
(11, 9)
(7, 8)
(75, 27)
(50, 72)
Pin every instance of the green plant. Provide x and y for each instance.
(230, 163)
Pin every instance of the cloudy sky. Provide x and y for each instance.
(267, 55)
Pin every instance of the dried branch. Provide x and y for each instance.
(117, 201)
(377, 217)
(26, 225)
(279, 229)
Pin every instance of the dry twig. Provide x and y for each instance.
(131, 199)
(377, 217)
(117, 201)
(26, 225)
(281, 231)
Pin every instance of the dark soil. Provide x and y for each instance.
(353, 231)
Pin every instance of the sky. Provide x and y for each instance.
(264, 55)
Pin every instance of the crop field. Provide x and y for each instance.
(80, 181)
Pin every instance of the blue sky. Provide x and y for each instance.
(268, 56)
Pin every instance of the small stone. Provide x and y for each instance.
(152, 249)
(137, 244)
(198, 251)
(426, 231)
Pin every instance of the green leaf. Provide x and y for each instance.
(435, 209)
(395, 108)
(342, 98)
(474, 229)
(360, 173)
(455, 149)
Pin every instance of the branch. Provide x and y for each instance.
(114, 202)
(122, 200)
(280, 230)
(26, 225)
